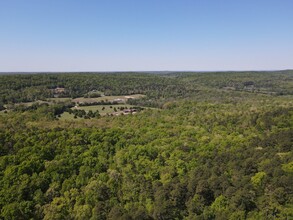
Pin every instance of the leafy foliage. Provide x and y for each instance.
(216, 154)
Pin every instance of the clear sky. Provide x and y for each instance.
(138, 35)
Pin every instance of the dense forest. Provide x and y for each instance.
(204, 146)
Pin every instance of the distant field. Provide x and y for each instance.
(107, 110)
(108, 98)
(58, 99)
(98, 99)
(67, 116)
(100, 107)
(49, 101)
(31, 103)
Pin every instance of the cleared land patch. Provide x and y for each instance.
(120, 99)
(102, 109)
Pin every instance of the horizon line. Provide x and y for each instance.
(145, 71)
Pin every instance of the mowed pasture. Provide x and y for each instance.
(58, 100)
(107, 98)
(50, 101)
(103, 110)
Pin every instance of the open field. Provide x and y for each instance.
(98, 99)
(27, 104)
(56, 100)
(108, 98)
(67, 116)
(119, 99)
(103, 110)
(107, 108)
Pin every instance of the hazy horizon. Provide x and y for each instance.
(144, 71)
(145, 36)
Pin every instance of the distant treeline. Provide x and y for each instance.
(158, 88)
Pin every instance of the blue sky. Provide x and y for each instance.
(138, 35)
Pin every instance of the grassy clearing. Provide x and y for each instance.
(107, 108)
(103, 110)
(108, 98)
(122, 99)
(67, 116)
(57, 100)
(27, 104)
